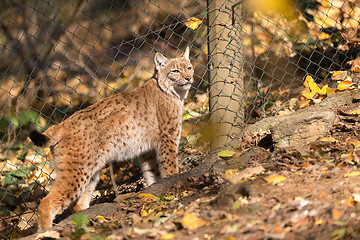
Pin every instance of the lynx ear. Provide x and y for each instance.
(186, 54)
(160, 60)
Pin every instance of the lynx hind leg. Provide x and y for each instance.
(67, 187)
(150, 167)
(84, 200)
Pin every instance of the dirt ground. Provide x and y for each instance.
(252, 193)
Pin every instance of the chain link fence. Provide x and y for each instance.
(61, 56)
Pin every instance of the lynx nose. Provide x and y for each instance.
(188, 79)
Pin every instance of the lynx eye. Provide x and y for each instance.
(189, 68)
(175, 71)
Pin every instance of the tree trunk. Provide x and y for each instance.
(226, 70)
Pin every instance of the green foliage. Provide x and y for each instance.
(166, 199)
(23, 119)
(12, 188)
(81, 223)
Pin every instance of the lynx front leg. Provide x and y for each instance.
(150, 167)
(168, 156)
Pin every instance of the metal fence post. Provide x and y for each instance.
(226, 70)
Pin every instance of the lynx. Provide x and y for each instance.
(145, 122)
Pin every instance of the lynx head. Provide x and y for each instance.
(174, 76)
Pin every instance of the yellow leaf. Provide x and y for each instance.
(337, 73)
(146, 196)
(193, 23)
(352, 174)
(324, 90)
(350, 202)
(355, 112)
(356, 145)
(318, 222)
(192, 222)
(226, 153)
(303, 103)
(275, 179)
(323, 36)
(311, 84)
(329, 91)
(167, 236)
(328, 139)
(230, 173)
(343, 85)
(308, 95)
(144, 213)
(101, 219)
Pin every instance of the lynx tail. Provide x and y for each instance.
(38, 139)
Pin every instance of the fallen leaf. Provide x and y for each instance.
(276, 207)
(167, 236)
(350, 35)
(146, 196)
(275, 179)
(193, 139)
(329, 91)
(193, 23)
(355, 65)
(144, 213)
(352, 174)
(323, 36)
(340, 223)
(356, 197)
(278, 229)
(324, 90)
(308, 94)
(101, 219)
(230, 173)
(226, 153)
(336, 73)
(311, 84)
(142, 231)
(318, 222)
(246, 173)
(355, 112)
(350, 202)
(339, 233)
(343, 85)
(328, 139)
(241, 202)
(229, 229)
(303, 103)
(336, 214)
(356, 145)
(16, 233)
(339, 75)
(192, 222)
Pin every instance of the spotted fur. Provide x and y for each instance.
(145, 122)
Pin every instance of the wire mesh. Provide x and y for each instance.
(61, 56)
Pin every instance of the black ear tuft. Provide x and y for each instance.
(38, 139)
